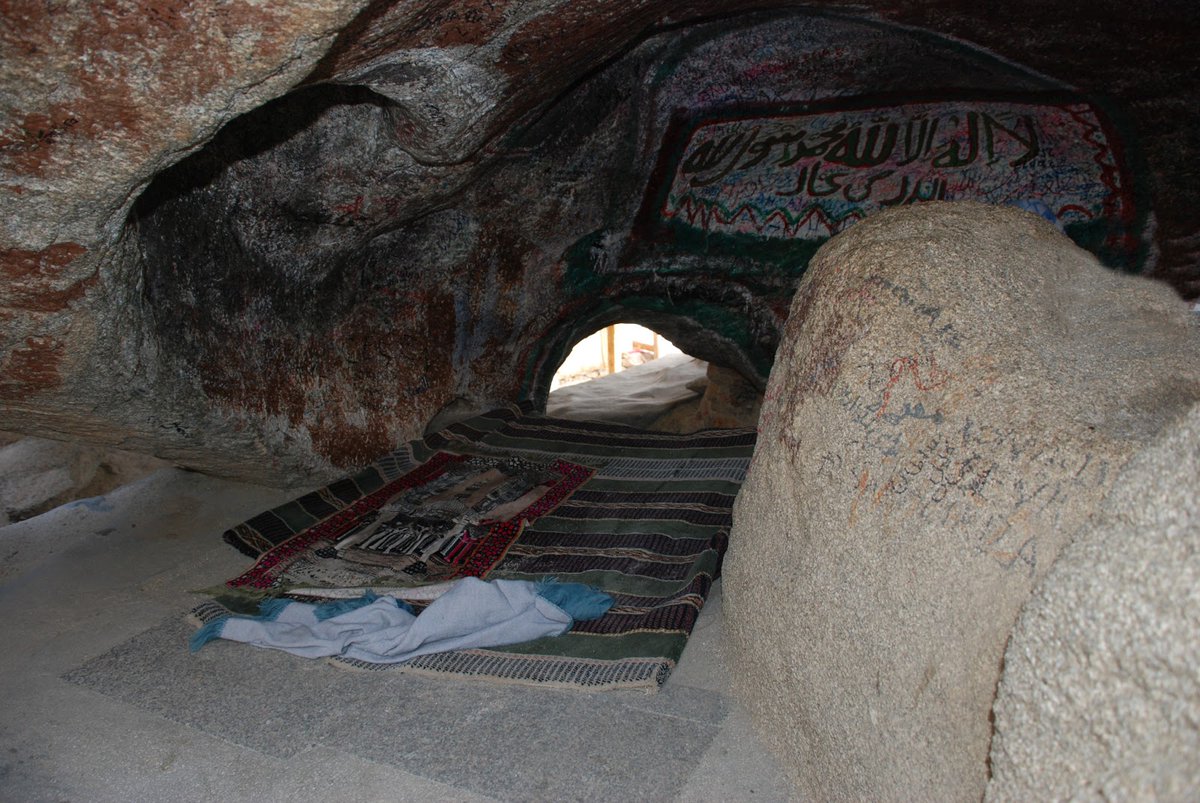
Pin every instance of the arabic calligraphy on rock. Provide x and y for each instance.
(813, 174)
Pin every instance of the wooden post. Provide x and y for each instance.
(612, 349)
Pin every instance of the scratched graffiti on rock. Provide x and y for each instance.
(925, 433)
(995, 485)
(810, 175)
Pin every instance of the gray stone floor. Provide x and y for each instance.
(100, 700)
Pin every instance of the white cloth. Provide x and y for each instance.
(473, 613)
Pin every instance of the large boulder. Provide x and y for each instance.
(1100, 696)
(957, 389)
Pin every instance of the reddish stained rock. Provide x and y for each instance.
(100, 95)
(387, 26)
(243, 387)
(31, 369)
(383, 27)
(555, 36)
(345, 444)
(470, 22)
(564, 40)
(357, 389)
(121, 43)
(33, 280)
(26, 146)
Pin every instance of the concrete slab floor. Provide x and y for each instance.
(100, 700)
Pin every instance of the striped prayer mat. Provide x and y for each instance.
(510, 494)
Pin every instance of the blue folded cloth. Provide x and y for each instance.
(1038, 208)
(473, 613)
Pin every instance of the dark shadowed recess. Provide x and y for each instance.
(249, 135)
(245, 234)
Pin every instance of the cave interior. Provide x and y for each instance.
(270, 245)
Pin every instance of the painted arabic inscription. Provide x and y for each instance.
(809, 175)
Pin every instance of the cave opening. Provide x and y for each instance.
(615, 348)
(629, 373)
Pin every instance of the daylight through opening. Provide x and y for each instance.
(629, 374)
(611, 350)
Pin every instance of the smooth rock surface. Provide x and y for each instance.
(1100, 697)
(38, 475)
(728, 400)
(957, 389)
